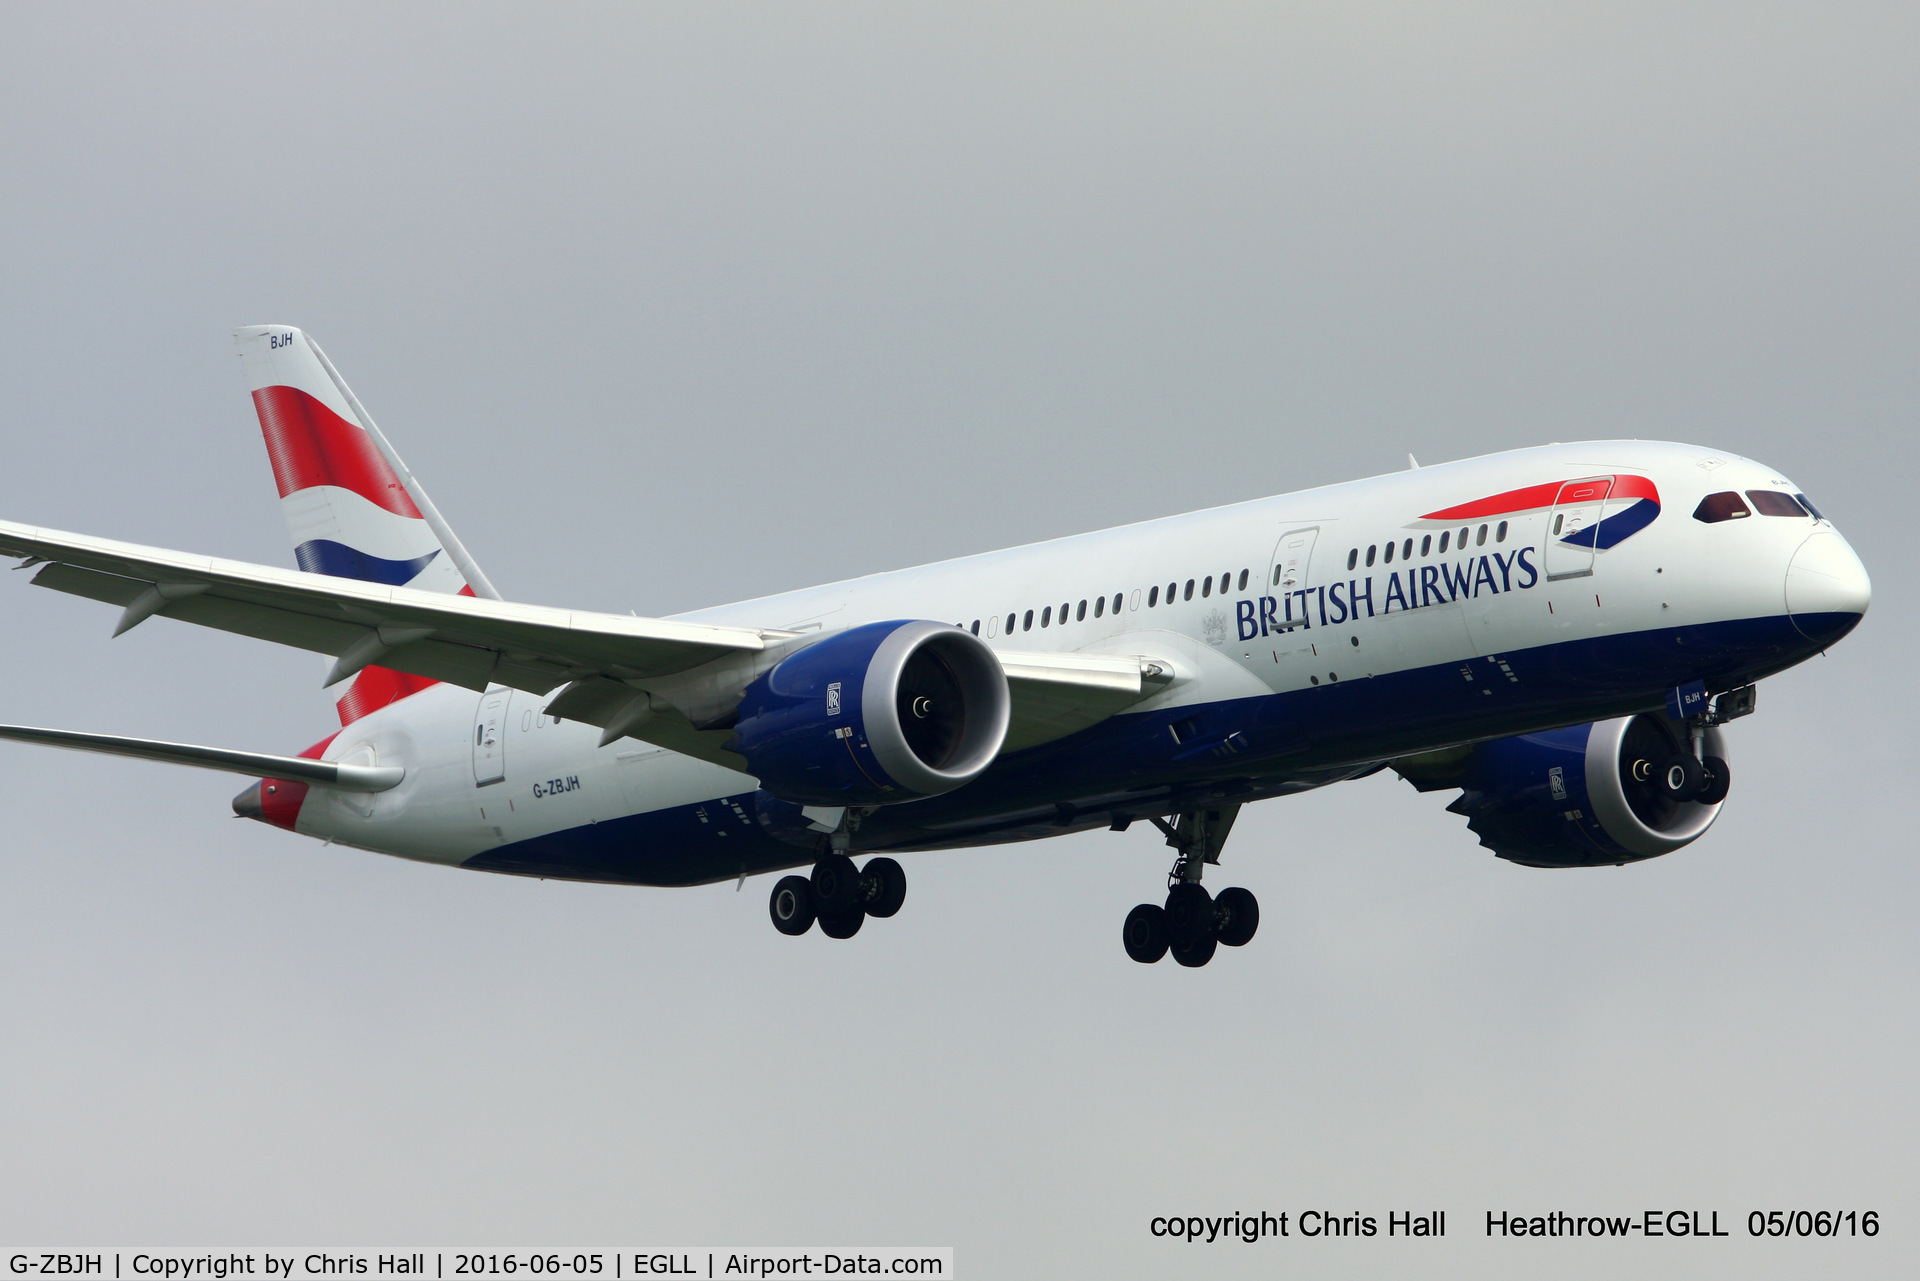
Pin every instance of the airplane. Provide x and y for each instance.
(1557, 633)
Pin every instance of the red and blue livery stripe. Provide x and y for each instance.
(1609, 532)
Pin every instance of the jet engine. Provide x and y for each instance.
(1610, 792)
(875, 715)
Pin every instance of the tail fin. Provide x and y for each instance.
(352, 507)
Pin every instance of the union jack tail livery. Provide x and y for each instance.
(353, 509)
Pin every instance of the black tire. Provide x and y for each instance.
(1236, 916)
(1681, 778)
(1718, 780)
(883, 887)
(1196, 954)
(843, 926)
(791, 905)
(1145, 933)
(1189, 913)
(836, 885)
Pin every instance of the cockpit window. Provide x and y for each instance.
(1808, 504)
(1718, 507)
(1771, 502)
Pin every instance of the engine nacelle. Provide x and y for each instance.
(1584, 796)
(875, 715)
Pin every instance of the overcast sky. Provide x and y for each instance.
(675, 305)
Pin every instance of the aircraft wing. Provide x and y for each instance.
(1056, 694)
(471, 642)
(462, 640)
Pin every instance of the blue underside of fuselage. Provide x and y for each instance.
(1154, 763)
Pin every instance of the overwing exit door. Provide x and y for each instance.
(1571, 525)
(490, 737)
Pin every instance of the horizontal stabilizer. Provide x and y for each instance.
(347, 778)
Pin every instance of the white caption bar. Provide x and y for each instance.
(715, 1263)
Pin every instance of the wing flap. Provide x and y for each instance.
(1055, 695)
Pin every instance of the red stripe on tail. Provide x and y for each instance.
(375, 688)
(280, 800)
(309, 445)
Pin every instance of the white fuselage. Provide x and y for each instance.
(1292, 618)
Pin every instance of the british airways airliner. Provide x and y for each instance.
(1558, 634)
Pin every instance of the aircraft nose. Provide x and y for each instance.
(1827, 587)
(247, 804)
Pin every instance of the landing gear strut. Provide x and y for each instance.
(1193, 922)
(838, 895)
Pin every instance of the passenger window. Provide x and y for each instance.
(1243, 580)
(1189, 595)
(1426, 546)
(1206, 585)
(1443, 541)
(1406, 553)
(1370, 555)
(1808, 504)
(1026, 624)
(993, 626)
(1173, 589)
(1388, 557)
(1080, 614)
(1063, 613)
(1153, 596)
(1353, 559)
(1481, 540)
(1046, 615)
(1713, 509)
(1099, 606)
(1462, 540)
(1771, 502)
(1500, 534)
(1010, 620)
(1561, 519)
(976, 627)
(1136, 600)
(1276, 575)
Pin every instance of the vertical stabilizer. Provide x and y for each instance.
(353, 508)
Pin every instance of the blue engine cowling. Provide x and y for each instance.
(1583, 796)
(875, 715)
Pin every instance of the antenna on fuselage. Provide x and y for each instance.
(1413, 464)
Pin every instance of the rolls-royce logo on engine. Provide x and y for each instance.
(833, 699)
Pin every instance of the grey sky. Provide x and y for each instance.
(675, 305)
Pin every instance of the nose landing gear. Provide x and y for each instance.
(1192, 923)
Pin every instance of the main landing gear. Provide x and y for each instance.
(1193, 922)
(838, 895)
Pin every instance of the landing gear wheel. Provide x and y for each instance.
(1236, 915)
(791, 905)
(1682, 777)
(1718, 780)
(844, 926)
(1189, 914)
(1145, 933)
(1195, 955)
(883, 887)
(836, 885)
